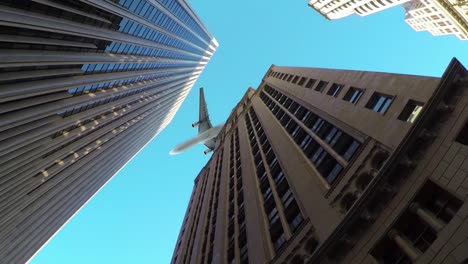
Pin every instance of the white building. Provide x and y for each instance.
(432, 16)
(439, 17)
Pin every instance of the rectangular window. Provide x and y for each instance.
(290, 78)
(463, 135)
(353, 95)
(310, 83)
(321, 86)
(295, 79)
(293, 215)
(379, 102)
(411, 111)
(302, 81)
(335, 90)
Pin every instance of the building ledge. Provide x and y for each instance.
(325, 16)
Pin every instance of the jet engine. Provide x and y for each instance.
(196, 124)
(207, 151)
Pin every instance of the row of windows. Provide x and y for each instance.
(236, 190)
(210, 226)
(370, 6)
(314, 149)
(138, 30)
(120, 67)
(378, 102)
(184, 224)
(150, 12)
(192, 234)
(115, 98)
(360, 9)
(63, 160)
(88, 18)
(271, 178)
(123, 48)
(159, 76)
(187, 216)
(86, 127)
(183, 15)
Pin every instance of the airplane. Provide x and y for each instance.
(207, 134)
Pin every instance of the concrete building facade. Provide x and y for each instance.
(336, 166)
(439, 17)
(432, 16)
(84, 85)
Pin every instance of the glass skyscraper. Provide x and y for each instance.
(84, 85)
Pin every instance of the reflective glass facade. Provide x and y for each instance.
(84, 86)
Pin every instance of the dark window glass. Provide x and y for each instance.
(310, 83)
(296, 78)
(353, 95)
(301, 81)
(379, 102)
(411, 111)
(321, 86)
(335, 90)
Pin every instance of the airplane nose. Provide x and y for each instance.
(173, 152)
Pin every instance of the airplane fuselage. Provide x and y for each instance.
(199, 139)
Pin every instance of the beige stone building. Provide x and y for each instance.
(336, 166)
(439, 17)
(84, 86)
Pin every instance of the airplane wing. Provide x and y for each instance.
(203, 117)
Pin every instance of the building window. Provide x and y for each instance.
(411, 111)
(321, 86)
(295, 79)
(335, 90)
(302, 81)
(379, 102)
(341, 143)
(290, 78)
(310, 83)
(280, 184)
(353, 95)
(463, 135)
(418, 226)
(292, 212)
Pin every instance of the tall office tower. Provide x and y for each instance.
(336, 166)
(84, 85)
(439, 17)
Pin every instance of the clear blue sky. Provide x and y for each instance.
(137, 216)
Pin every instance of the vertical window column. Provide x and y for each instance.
(237, 248)
(320, 141)
(280, 206)
(207, 248)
